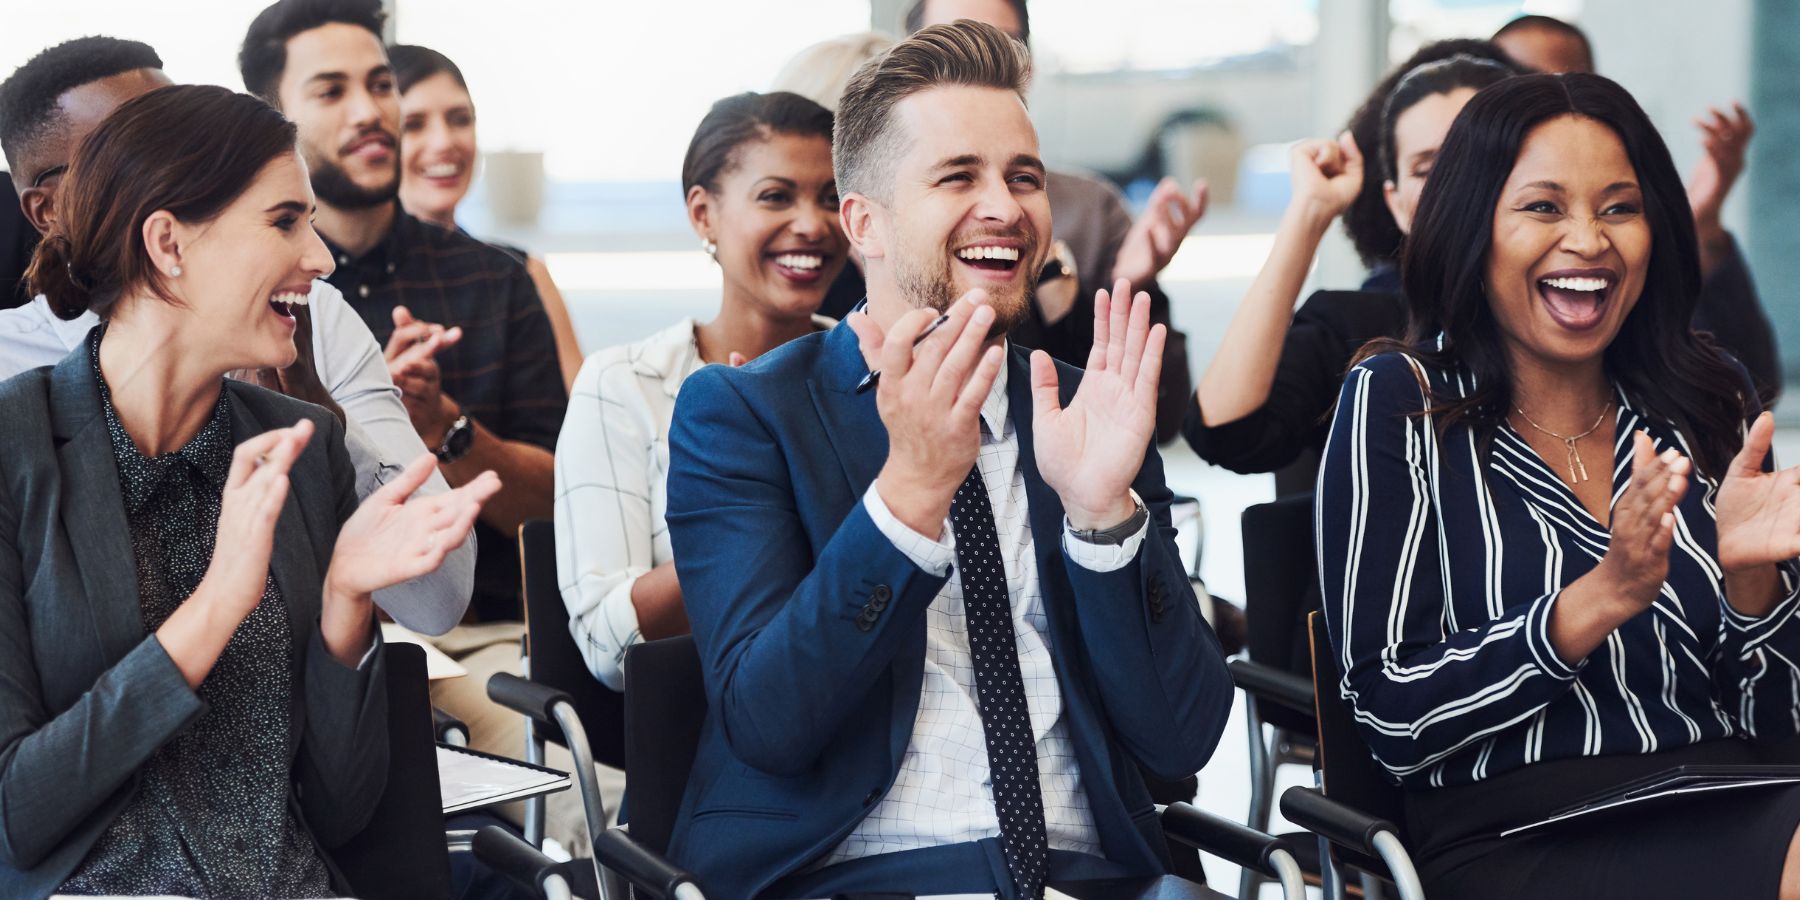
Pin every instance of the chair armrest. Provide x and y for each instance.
(448, 729)
(518, 861)
(1272, 684)
(1333, 821)
(1221, 837)
(527, 697)
(643, 867)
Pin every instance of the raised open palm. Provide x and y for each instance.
(394, 536)
(1758, 511)
(1090, 451)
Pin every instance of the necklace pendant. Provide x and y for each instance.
(1577, 468)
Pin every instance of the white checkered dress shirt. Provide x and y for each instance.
(944, 794)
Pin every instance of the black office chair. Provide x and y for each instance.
(665, 707)
(1280, 588)
(402, 851)
(1357, 810)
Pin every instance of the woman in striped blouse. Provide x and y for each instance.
(1553, 558)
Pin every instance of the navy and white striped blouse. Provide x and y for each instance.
(1440, 568)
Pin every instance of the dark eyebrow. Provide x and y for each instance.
(1621, 186)
(1028, 161)
(956, 162)
(1546, 185)
(293, 206)
(329, 76)
(784, 182)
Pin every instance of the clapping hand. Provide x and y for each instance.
(1758, 511)
(1726, 139)
(1157, 234)
(1643, 523)
(255, 489)
(1090, 451)
(394, 536)
(929, 398)
(412, 362)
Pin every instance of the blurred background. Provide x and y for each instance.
(585, 110)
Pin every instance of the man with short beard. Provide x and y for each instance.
(942, 621)
(467, 340)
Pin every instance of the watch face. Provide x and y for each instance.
(456, 443)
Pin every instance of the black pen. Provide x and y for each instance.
(862, 387)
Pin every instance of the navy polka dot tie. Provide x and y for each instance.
(999, 688)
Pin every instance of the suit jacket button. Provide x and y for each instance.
(879, 603)
(881, 593)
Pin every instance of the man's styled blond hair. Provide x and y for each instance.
(963, 52)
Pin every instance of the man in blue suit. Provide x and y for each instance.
(943, 623)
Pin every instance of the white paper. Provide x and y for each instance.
(468, 781)
(437, 666)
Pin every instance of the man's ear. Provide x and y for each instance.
(865, 224)
(39, 206)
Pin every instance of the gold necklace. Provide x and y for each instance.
(1577, 469)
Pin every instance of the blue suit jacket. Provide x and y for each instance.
(809, 710)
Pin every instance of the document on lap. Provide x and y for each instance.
(438, 665)
(470, 779)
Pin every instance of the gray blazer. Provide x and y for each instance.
(86, 695)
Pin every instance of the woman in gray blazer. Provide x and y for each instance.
(192, 697)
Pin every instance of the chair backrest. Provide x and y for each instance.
(1348, 772)
(555, 661)
(1280, 587)
(665, 706)
(402, 853)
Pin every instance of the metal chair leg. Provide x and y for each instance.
(534, 806)
(1262, 790)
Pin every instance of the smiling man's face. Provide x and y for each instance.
(340, 93)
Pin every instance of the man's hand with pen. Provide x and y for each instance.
(929, 397)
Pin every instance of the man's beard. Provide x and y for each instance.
(333, 186)
(925, 285)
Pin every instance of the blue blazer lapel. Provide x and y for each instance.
(1046, 507)
(852, 423)
(93, 508)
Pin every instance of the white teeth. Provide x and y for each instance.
(800, 261)
(1578, 284)
(290, 298)
(443, 170)
(1010, 254)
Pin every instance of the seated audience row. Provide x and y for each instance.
(946, 638)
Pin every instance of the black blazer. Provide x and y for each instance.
(86, 695)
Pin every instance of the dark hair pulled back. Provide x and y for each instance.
(188, 149)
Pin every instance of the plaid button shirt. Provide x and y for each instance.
(503, 373)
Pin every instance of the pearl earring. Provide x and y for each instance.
(175, 271)
(711, 248)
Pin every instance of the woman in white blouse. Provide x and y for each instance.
(762, 198)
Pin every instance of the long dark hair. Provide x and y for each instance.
(1678, 375)
(1370, 226)
(189, 149)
